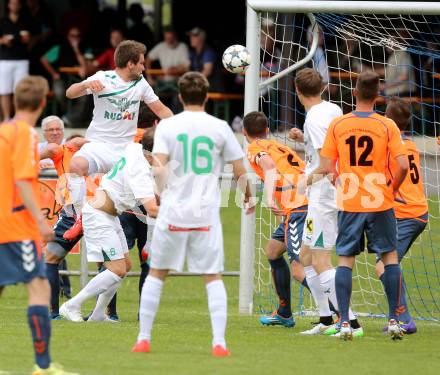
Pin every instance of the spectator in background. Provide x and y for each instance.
(70, 52)
(139, 30)
(16, 30)
(203, 59)
(53, 132)
(173, 57)
(399, 74)
(106, 60)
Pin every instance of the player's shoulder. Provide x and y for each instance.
(409, 144)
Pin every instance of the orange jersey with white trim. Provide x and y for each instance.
(411, 200)
(19, 160)
(363, 143)
(289, 166)
(139, 134)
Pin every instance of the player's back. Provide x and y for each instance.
(364, 142)
(197, 145)
(411, 201)
(289, 167)
(18, 161)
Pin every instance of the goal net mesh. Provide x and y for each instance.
(405, 51)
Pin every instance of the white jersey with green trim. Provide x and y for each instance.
(117, 107)
(198, 145)
(130, 179)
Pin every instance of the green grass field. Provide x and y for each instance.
(181, 337)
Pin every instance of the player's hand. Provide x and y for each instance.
(46, 231)
(250, 203)
(94, 86)
(296, 134)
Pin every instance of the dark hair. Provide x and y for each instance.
(128, 50)
(70, 137)
(193, 87)
(255, 124)
(367, 85)
(146, 117)
(30, 93)
(308, 82)
(147, 140)
(168, 29)
(399, 111)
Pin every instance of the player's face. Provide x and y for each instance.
(54, 133)
(138, 68)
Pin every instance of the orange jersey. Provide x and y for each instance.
(363, 143)
(289, 166)
(19, 160)
(411, 193)
(139, 134)
(62, 157)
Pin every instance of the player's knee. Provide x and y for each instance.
(52, 258)
(79, 166)
(274, 250)
(128, 264)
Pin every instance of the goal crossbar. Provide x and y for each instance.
(346, 7)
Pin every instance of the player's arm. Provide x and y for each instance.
(296, 134)
(160, 109)
(326, 167)
(400, 172)
(81, 88)
(29, 201)
(77, 142)
(243, 182)
(49, 151)
(160, 170)
(150, 205)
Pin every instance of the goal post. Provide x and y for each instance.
(370, 26)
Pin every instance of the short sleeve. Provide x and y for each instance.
(329, 149)
(254, 153)
(139, 174)
(232, 149)
(160, 140)
(24, 154)
(154, 53)
(316, 132)
(148, 95)
(396, 146)
(98, 76)
(53, 54)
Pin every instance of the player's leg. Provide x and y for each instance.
(56, 251)
(103, 242)
(348, 245)
(168, 252)
(206, 256)
(381, 231)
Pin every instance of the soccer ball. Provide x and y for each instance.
(236, 59)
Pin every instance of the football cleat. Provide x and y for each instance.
(220, 351)
(142, 346)
(75, 231)
(71, 314)
(407, 328)
(277, 320)
(345, 332)
(106, 319)
(394, 330)
(54, 369)
(318, 329)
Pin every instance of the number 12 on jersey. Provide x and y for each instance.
(196, 154)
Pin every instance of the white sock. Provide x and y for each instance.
(327, 279)
(318, 294)
(103, 301)
(101, 283)
(150, 298)
(77, 189)
(217, 304)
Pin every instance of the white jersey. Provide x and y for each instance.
(117, 107)
(198, 145)
(130, 179)
(317, 121)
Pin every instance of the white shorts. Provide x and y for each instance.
(203, 250)
(321, 226)
(11, 72)
(101, 156)
(105, 239)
